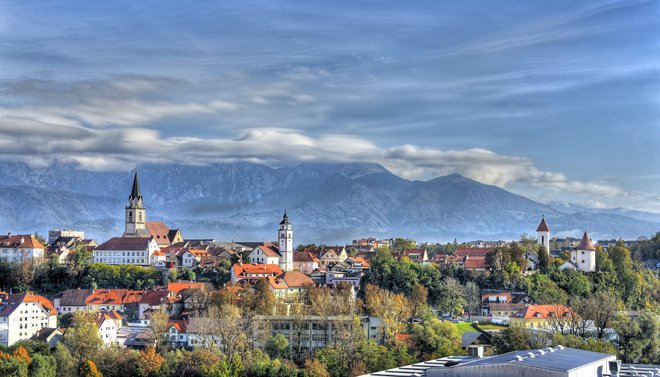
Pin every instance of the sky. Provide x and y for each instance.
(557, 101)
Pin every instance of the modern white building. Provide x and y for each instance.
(22, 316)
(19, 248)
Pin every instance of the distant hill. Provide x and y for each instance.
(326, 203)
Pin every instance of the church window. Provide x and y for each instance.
(140, 216)
(130, 216)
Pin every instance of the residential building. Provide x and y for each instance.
(108, 325)
(50, 335)
(177, 333)
(139, 251)
(499, 304)
(305, 261)
(266, 253)
(416, 255)
(19, 248)
(22, 316)
(192, 257)
(53, 235)
(289, 283)
(245, 271)
(542, 317)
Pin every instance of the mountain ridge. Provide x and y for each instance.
(326, 202)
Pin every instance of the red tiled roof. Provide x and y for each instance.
(296, 279)
(473, 252)
(103, 297)
(304, 256)
(543, 227)
(155, 297)
(179, 286)
(360, 260)
(20, 241)
(276, 283)
(475, 262)
(585, 243)
(180, 325)
(269, 250)
(159, 231)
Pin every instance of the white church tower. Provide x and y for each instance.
(285, 238)
(543, 234)
(584, 256)
(136, 214)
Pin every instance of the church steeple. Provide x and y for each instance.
(135, 192)
(285, 243)
(136, 214)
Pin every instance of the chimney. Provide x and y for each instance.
(22, 240)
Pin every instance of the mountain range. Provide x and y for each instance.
(326, 203)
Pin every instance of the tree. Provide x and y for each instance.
(472, 296)
(277, 346)
(12, 367)
(452, 299)
(599, 308)
(393, 309)
(150, 361)
(419, 301)
(66, 365)
(158, 327)
(88, 369)
(513, 338)
(315, 368)
(82, 338)
(434, 338)
(43, 366)
(631, 341)
(544, 258)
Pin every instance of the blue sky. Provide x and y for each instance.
(553, 100)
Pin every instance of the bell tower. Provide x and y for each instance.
(543, 234)
(285, 243)
(136, 214)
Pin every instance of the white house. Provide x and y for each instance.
(22, 316)
(108, 326)
(190, 258)
(265, 254)
(127, 250)
(19, 248)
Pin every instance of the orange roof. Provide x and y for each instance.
(179, 286)
(276, 283)
(158, 253)
(198, 252)
(180, 325)
(361, 260)
(103, 297)
(543, 227)
(103, 316)
(585, 243)
(114, 315)
(20, 241)
(256, 269)
(41, 300)
(544, 311)
(304, 256)
(269, 249)
(296, 279)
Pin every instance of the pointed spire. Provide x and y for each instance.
(285, 218)
(135, 192)
(543, 227)
(585, 243)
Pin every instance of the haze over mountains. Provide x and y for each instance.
(326, 202)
